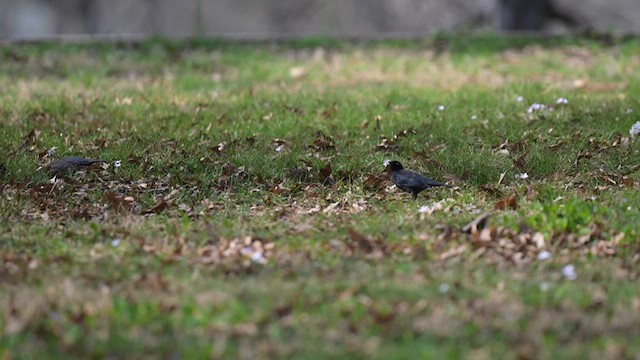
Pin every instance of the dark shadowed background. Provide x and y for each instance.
(29, 19)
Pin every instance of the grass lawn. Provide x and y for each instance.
(250, 216)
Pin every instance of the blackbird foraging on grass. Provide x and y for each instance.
(69, 164)
(407, 180)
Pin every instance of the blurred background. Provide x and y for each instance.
(271, 19)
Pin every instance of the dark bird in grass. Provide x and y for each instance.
(69, 164)
(407, 180)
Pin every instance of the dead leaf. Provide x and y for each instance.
(556, 145)
(157, 208)
(491, 190)
(501, 177)
(386, 144)
(362, 241)
(519, 162)
(153, 281)
(31, 138)
(372, 247)
(117, 202)
(404, 133)
(507, 203)
(325, 174)
(219, 148)
(530, 193)
(478, 223)
(582, 155)
(330, 112)
(322, 142)
(374, 182)
(453, 252)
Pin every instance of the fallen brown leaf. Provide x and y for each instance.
(325, 174)
(508, 202)
(374, 182)
(117, 202)
(478, 223)
(519, 162)
(157, 208)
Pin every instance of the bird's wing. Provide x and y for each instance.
(78, 161)
(430, 182)
(415, 181)
(69, 163)
(406, 180)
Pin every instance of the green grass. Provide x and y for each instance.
(154, 258)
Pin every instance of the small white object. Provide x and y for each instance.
(545, 286)
(562, 101)
(279, 148)
(519, 98)
(522, 176)
(544, 255)
(257, 257)
(474, 117)
(424, 209)
(536, 107)
(115, 242)
(444, 288)
(635, 130)
(440, 107)
(117, 164)
(386, 162)
(569, 272)
(629, 111)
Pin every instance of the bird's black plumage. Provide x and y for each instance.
(69, 164)
(409, 181)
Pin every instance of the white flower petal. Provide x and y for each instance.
(569, 272)
(424, 209)
(635, 130)
(536, 107)
(544, 255)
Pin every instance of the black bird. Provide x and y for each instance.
(69, 164)
(407, 180)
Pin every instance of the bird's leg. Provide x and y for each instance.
(415, 196)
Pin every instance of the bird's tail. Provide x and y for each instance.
(437, 183)
(87, 162)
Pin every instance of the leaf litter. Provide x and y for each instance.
(309, 199)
